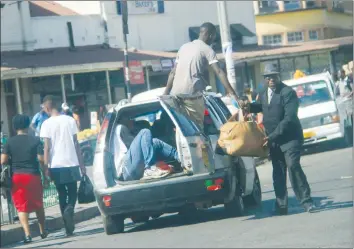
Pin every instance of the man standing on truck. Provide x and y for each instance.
(279, 104)
(187, 78)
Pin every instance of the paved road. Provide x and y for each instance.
(330, 175)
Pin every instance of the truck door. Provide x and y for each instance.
(197, 153)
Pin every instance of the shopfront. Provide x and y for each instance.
(308, 64)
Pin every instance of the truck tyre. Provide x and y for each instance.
(255, 198)
(236, 207)
(113, 224)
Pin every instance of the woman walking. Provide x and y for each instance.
(26, 156)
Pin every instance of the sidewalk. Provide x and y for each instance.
(14, 233)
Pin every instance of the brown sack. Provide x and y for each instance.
(242, 138)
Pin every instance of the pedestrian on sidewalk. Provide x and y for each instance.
(26, 153)
(42, 115)
(279, 104)
(62, 152)
(187, 79)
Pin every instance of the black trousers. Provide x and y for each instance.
(67, 195)
(282, 161)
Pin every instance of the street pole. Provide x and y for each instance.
(226, 42)
(126, 60)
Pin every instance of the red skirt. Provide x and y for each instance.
(27, 192)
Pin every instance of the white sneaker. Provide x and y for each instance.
(155, 172)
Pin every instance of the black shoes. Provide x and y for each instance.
(28, 239)
(68, 217)
(280, 210)
(45, 234)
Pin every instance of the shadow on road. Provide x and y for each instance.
(322, 204)
(323, 147)
(52, 244)
(213, 214)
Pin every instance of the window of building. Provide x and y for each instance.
(292, 5)
(272, 40)
(311, 4)
(295, 37)
(313, 35)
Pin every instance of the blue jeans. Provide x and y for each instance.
(143, 153)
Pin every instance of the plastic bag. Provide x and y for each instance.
(85, 193)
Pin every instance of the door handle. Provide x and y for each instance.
(194, 145)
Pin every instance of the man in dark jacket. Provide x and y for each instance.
(279, 104)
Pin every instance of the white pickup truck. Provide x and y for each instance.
(323, 115)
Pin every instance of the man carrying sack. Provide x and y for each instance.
(279, 104)
(187, 78)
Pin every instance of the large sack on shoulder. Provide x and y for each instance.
(242, 138)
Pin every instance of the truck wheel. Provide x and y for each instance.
(254, 199)
(236, 207)
(113, 224)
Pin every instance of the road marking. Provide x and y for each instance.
(346, 177)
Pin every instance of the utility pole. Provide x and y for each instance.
(226, 42)
(124, 6)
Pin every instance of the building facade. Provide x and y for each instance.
(75, 52)
(293, 22)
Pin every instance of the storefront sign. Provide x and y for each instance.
(136, 73)
(142, 7)
(167, 64)
(156, 66)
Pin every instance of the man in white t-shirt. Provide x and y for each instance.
(62, 154)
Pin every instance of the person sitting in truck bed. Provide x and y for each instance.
(135, 157)
(162, 129)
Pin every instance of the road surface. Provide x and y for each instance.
(330, 176)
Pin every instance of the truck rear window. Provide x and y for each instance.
(187, 126)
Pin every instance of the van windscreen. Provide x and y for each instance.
(312, 93)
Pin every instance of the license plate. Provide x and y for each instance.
(309, 134)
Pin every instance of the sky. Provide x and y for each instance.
(82, 7)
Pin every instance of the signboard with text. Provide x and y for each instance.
(167, 64)
(143, 7)
(136, 73)
(156, 66)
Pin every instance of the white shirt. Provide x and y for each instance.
(121, 142)
(60, 130)
(342, 87)
(270, 95)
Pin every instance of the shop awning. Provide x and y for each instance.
(89, 59)
(241, 30)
